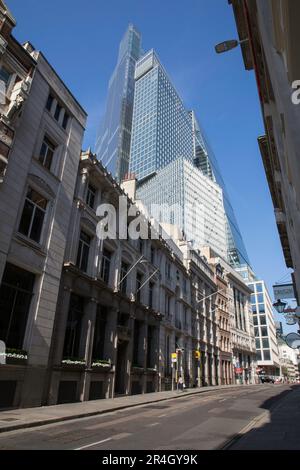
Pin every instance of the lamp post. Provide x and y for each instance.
(226, 46)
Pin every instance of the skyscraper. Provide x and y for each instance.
(162, 127)
(180, 194)
(113, 141)
(164, 131)
(205, 160)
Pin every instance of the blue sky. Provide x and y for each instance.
(80, 39)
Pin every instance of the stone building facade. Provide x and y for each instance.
(42, 127)
(236, 322)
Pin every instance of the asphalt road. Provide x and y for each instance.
(198, 422)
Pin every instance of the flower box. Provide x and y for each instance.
(73, 363)
(151, 370)
(15, 356)
(101, 365)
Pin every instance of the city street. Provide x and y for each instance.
(202, 421)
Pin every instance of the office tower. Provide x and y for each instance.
(113, 141)
(163, 131)
(162, 127)
(179, 194)
(205, 160)
(267, 353)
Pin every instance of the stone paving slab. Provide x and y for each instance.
(32, 417)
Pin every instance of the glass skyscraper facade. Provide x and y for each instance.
(162, 128)
(180, 194)
(113, 140)
(205, 160)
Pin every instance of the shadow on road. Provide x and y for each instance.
(278, 429)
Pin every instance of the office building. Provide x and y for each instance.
(113, 140)
(181, 195)
(162, 128)
(266, 342)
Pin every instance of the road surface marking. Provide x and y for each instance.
(94, 444)
(162, 416)
(152, 424)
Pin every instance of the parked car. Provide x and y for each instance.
(266, 379)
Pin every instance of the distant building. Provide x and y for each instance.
(289, 361)
(237, 310)
(162, 128)
(114, 138)
(180, 194)
(265, 330)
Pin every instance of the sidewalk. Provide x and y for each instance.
(31, 417)
(277, 429)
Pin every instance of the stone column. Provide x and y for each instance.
(61, 325)
(110, 347)
(86, 344)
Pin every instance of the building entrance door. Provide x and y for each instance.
(120, 380)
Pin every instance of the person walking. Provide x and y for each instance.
(180, 383)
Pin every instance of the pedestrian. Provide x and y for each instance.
(180, 383)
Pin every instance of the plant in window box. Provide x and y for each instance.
(73, 363)
(101, 364)
(15, 356)
(151, 370)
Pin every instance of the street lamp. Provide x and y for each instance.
(279, 306)
(226, 46)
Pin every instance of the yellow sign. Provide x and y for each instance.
(174, 355)
(197, 354)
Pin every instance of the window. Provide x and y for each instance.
(258, 355)
(267, 355)
(265, 343)
(90, 196)
(257, 343)
(57, 111)
(139, 282)
(105, 266)
(123, 279)
(65, 120)
(261, 308)
(16, 292)
(83, 251)
(255, 321)
(264, 331)
(256, 331)
(151, 293)
(168, 270)
(263, 319)
(47, 152)
(254, 310)
(260, 298)
(259, 287)
(73, 330)
(152, 255)
(5, 77)
(49, 102)
(184, 286)
(140, 245)
(33, 215)
(167, 305)
(99, 335)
